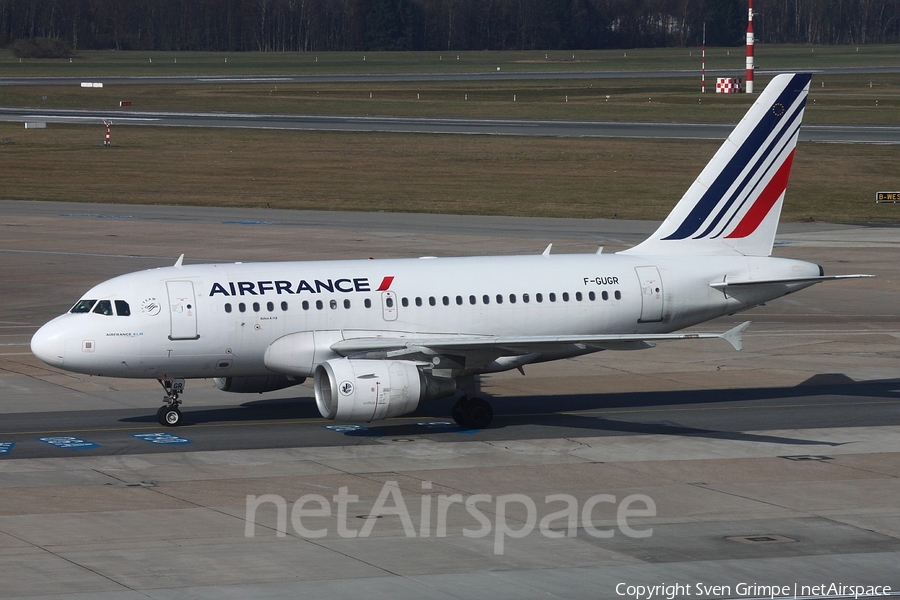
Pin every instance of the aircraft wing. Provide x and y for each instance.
(519, 345)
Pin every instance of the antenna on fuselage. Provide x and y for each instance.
(546, 251)
(179, 261)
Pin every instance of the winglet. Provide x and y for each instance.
(733, 336)
(179, 261)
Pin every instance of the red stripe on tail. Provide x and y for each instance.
(765, 202)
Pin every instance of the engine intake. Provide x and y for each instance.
(371, 390)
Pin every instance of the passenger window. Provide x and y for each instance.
(242, 307)
(256, 307)
(284, 306)
(319, 305)
(592, 296)
(404, 302)
(122, 308)
(228, 307)
(486, 299)
(473, 300)
(499, 299)
(618, 295)
(512, 298)
(346, 304)
(565, 296)
(539, 297)
(389, 302)
(552, 297)
(446, 301)
(578, 296)
(83, 306)
(305, 305)
(104, 307)
(270, 306)
(525, 298)
(604, 295)
(459, 300)
(418, 302)
(367, 303)
(333, 304)
(432, 301)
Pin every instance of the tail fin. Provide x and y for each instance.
(734, 205)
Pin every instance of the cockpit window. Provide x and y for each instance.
(83, 306)
(104, 307)
(122, 308)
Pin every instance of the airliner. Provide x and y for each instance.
(380, 337)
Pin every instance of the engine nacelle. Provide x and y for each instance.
(256, 385)
(298, 353)
(371, 390)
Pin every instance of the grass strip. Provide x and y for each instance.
(488, 175)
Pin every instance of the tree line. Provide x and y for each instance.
(323, 25)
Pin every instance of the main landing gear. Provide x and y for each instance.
(472, 413)
(168, 414)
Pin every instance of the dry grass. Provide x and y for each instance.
(586, 178)
(844, 99)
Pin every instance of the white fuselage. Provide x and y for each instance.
(218, 320)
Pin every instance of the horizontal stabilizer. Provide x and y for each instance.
(719, 285)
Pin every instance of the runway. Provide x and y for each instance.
(700, 131)
(413, 77)
(778, 464)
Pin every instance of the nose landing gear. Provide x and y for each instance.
(168, 414)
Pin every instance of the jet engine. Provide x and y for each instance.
(256, 385)
(371, 390)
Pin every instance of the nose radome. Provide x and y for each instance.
(49, 344)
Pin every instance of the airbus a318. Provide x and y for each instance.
(379, 337)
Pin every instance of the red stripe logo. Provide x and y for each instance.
(385, 284)
(764, 202)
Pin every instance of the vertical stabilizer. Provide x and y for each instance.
(733, 207)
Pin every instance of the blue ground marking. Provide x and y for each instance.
(345, 428)
(69, 443)
(248, 223)
(438, 424)
(448, 426)
(6, 447)
(162, 438)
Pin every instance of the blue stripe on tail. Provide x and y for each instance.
(711, 199)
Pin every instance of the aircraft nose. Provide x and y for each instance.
(49, 344)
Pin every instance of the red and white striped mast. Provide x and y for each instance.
(749, 79)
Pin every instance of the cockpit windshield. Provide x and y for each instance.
(103, 307)
(83, 306)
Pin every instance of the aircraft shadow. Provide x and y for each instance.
(557, 411)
